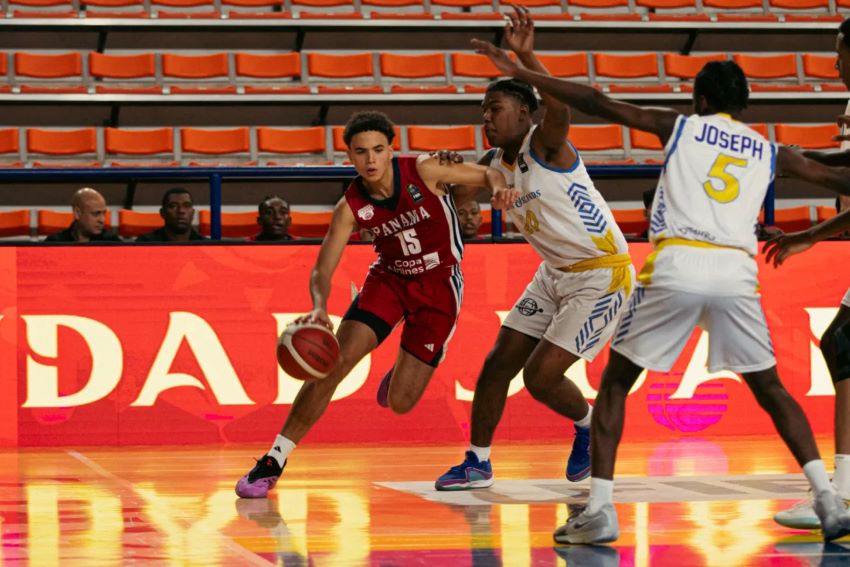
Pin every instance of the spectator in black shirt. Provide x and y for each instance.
(274, 220)
(89, 223)
(178, 212)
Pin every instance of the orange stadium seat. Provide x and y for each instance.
(644, 140)
(9, 143)
(402, 15)
(761, 128)
(271, 66)
(323, 3)
(565, 65)
(596, 138)
(600, 3)
(258, 15)
(406, 66)
(666, 4)
(642, 65)
(209, 66)
(291, 140)
(233, 225)
(4, 65)
(340, 66)
(15, 223)
(462, 3)
(392, 3)
(811, 136)
(631, 221)
(791, 220)
(135, 223)
(138, 66)
(783, 66)
(800, 4)
(183, 3)
(432, 138)
(339, 142)
(48, 66)
(139, 142)
(819, 66)
(112, 3)
(473, 65)
(732, 4)
(310, 224)
(215, 142)
(253, 3)
(825, 213)
(687, 66)
(61, 142)
(49, 222)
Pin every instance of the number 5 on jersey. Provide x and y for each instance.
(409, 242)
(729, 187)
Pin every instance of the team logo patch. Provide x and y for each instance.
(528, 307)
(366, 212)
(431, 260)
(415, 193)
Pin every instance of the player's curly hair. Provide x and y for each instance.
(844, 30)
(520, 90)
(724, 86)
(368, 121)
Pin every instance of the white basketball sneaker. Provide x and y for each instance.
(599, 527)
(833, 514)
(800, 516)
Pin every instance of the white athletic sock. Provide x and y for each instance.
(815, 471)
(281, 449)
(585, 421)
(841, 477)
(601, 493)
(483, 453)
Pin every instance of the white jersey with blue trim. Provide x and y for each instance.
(715, 177)
(559, 211)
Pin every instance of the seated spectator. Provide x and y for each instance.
(648, 198)
(177, 212)
(274, 220)
(89, 223)
(469, 214)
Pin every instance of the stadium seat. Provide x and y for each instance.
(391, 3)
(268, 66)
(212, 66)
(139, 142)
(596, 138)
(666, 4)
(732, 4)
(61, 142)
(337, 66)
(825, 213)
(419, 66)
(9, 143)
(137, 66)
(782, 66)
(274, 4)
(761, 128)
(631, 221)
(292, 141)
(609, 66)
(307, 224)
(182, 3)
(809, 5)
(50, 222)
(566, 64)
(4, 64)
(599, 4)
(791, 220)
(810, 136)
(15, 223)
(339, 142)
(819, 66)
(687, 66)
(135, 223)
(434, 138)
(644, 140)
(200, 15)
(112, 3)
(48, 66)
(423, 89)
(473, 65)
(215, 142)
(233, 225)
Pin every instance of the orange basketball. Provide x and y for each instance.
(307, 351)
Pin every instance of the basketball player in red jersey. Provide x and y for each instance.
(416, 277)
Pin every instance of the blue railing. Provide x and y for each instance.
(216, 175)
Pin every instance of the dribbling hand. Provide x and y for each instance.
(317, 316)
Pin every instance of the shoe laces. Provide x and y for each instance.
(264, 467)
(582, 440)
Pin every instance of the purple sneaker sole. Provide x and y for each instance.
(384, 390)
(579, 475)
(258, 489)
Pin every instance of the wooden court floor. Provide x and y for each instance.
(690, 502)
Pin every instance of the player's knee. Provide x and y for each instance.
(535, 379)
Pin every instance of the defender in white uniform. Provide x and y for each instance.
(702, 272)
(569, 310)
(835, 342)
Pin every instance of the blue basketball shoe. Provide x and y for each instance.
(471, 473)
(578, 465)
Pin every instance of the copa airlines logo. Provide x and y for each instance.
(526, 198)
(221, 381)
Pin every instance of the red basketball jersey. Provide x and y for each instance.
(416, 232)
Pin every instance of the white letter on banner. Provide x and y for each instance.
(209, 353)
(287, 386)
(577, 373)
(821, 381)
(696, 373)
(43, 380)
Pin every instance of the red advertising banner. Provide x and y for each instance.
(165, 345)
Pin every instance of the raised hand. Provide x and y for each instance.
(447, 157)
(519, 31)
(503, 197)
(782, 247)
(499, 58)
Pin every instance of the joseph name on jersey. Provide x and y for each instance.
(559, 211)
(716, 174)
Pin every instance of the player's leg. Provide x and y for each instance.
(835, 346)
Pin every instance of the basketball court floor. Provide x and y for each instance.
(689, 502)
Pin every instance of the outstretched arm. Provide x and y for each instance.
(792, 163)
(782, 247)
(659, 121)
(841, 158)
(433, 173)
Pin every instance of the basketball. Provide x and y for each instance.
(307, 351)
